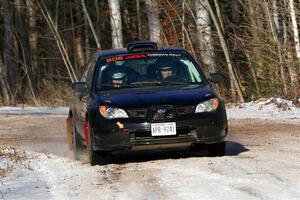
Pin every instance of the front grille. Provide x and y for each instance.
(184, 110)
(137, 113)
(161, 114)
(154, 116)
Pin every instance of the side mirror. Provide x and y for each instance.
(79, 86)
(216, 77)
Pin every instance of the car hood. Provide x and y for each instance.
(145, 97)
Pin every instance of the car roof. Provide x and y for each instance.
(116, 52)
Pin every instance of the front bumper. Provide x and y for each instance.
(137, 135)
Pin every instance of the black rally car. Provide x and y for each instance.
(145, 97)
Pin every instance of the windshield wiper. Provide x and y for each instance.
(195, 83)
(162, 83)
(138, 83)
(173, 83)
(111, 87)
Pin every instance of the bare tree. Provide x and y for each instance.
(58, 40)
(116, 24)
(204, 38)
(139, 25)
(232, 74)
(153, 20)
(274, 32)
(32, 37)
(8, 43)
(295, 28)
(3, 83)
(86, 14)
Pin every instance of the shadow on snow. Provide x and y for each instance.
(122, 157)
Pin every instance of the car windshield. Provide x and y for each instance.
(144, 70)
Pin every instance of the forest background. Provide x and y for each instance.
(44, 45)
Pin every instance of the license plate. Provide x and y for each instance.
(163, 129)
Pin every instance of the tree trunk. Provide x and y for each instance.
(26, 71)
(86, 41)
(183, 24)
(278, 45)
(153, 20)
(3, 83)
(139, 26)
(253, 73)
(276, 17)
(86, 14)
(232, 74)
(116, 24)
(56, 14)
(33, 40)
(219, 14)
(295, 28)
(98, 20)
(21, 28)
(289, 56)
(79, 51)
(8, 43)
(204, 38)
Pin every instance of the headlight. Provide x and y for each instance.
(207, 106)
(111, 113)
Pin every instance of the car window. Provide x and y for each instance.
(83, 78)
(144, 70)
(88, 73)
(91, 72)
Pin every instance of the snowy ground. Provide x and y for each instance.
(262, 161)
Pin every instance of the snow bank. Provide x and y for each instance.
(28, 110)
(271, 109)
(18, 180)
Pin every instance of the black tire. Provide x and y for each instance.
(95, 157)
(217, 149)
(77, 146)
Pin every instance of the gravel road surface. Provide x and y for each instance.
(262, 162)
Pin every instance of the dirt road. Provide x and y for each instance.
(262, 162)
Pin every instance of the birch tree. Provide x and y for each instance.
(116, 24)
(276, 39)
(153, 20)
(204, 38)
(294, 28)
(292, 72)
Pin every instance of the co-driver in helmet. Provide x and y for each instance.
(119, 79)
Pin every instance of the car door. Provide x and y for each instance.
(82, 97)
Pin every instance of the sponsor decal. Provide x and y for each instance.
(129, 57)
(113, 59)
(164, 54)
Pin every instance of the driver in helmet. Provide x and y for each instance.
(119, 79)
(166, 72)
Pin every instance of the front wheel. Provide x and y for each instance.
(95, 157)
(217, 149)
